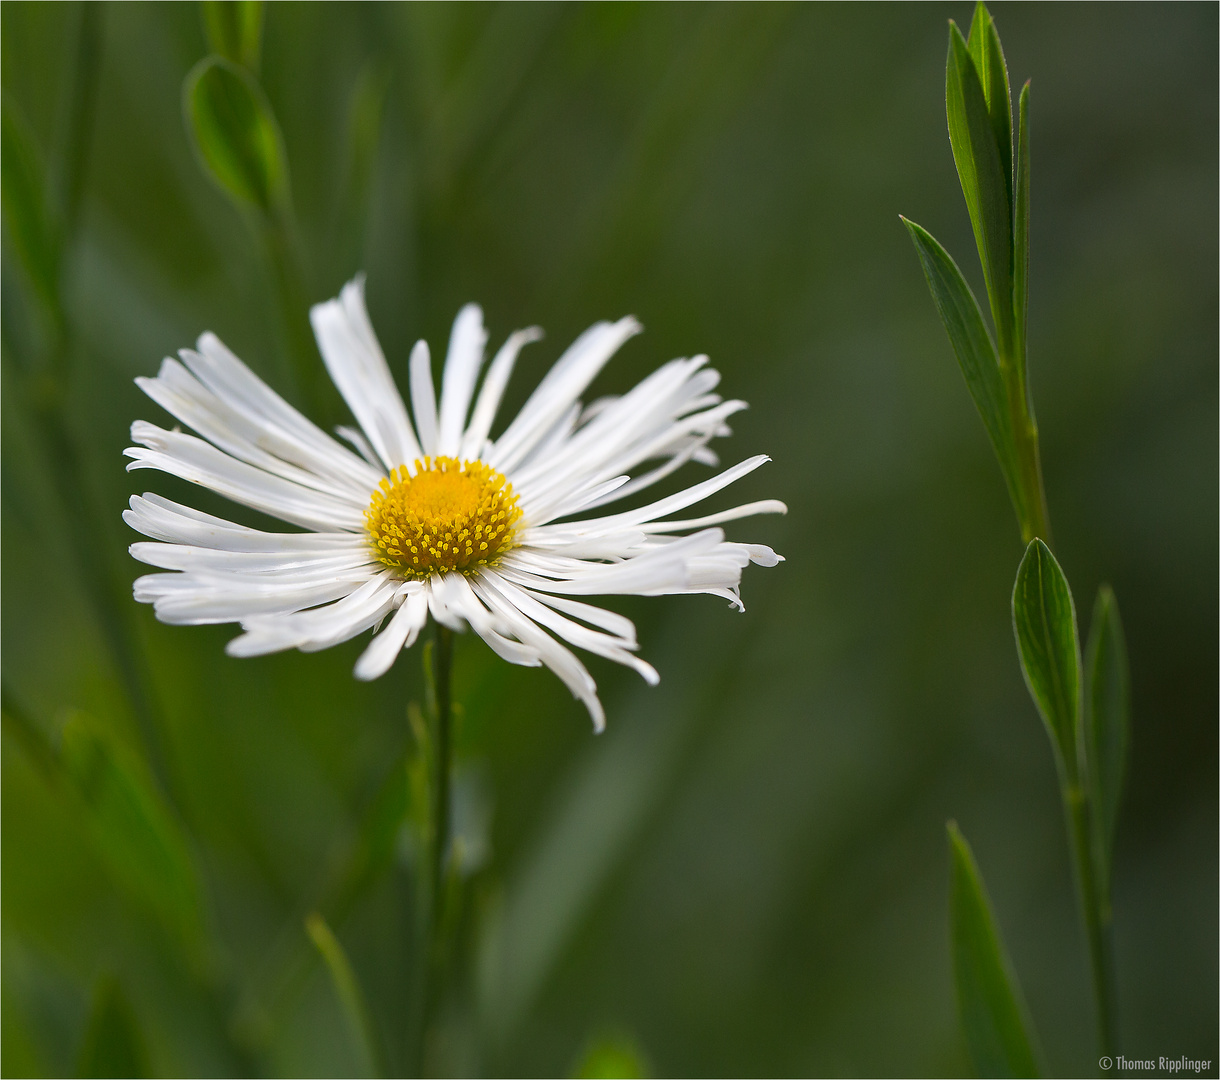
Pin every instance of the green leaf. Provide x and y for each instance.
(28, 215)
(993, 1014)
(236, 135)
(1107, 721)
(988, 57)
(1020, 259)
(347, 989)
(112, 1045)
(976, 355)
(1044, 620)
(985, 183)
(135, 833)
(234, 29)
(612, 1054)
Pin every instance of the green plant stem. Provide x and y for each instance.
(1095, 911)
(1035, 521)
(442, 759)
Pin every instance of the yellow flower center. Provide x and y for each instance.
(451, 515)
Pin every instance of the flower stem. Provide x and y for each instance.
(434, 956)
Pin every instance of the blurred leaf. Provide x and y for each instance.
(112, 1045)
(988, 57)
(612, 1055)
(1020, 258)
(236, 135)
(984, 183)
(134, 831)
(963, 322)
(363, 139)
(1044, 620)
(1107, 720)
(234, 29)
(347, 989)
(28, 213)
(993, 1014)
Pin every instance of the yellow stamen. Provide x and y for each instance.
(451, 515)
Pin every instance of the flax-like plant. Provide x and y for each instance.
(1084, 706)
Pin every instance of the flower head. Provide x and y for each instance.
(436, 516)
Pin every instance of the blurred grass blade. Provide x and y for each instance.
(1020, 256)
(1044, 620)
(28, 213)
(1107, 718)
(236, 135)
(984, 183)
(234, 29)
(993, 1014)
(112, 1045)
(378, 839)
(988, 56)
(363, 140)
(972, 346)
(137, 837)
(347, 989)
(611, 1055)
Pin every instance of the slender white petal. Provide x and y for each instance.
(423, 397)
(466, 344)
(400, 634)
(492, 391)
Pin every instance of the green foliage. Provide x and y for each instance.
(28, 211)
(1107, 720)
(1020, 260)
(113, 1045)
(236, 135)
(234, 29)
(347, 989)
(1044, 621)
(612, 1055)
(993, 1013)
(135, 833)
(973, 126)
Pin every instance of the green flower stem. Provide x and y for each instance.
(1095, 910)
(1035, 521)
(435, 953)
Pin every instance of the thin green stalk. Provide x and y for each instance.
(434, 958)
(1035, 521)
(1096, 914)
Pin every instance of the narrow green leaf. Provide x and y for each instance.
(112, 1045)
(234, 29)
(985, 183)
(236, 135)
(993, 1014)
(1107, 722)
(988, 56)
(1044, 620)
(347, 989)
(28, 215)
(135, 833)
(976, 355)
(1020, 259)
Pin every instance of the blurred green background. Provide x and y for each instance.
(747, 874)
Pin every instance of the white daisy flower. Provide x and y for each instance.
(436, 516)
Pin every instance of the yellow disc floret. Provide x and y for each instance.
(451, 515)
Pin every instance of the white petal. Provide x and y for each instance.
(493, 390)
(466, 344)
(423, 397)
(401, 633)
(356, 364)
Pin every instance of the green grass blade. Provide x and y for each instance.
(1107, 713)
(234, 29)
(236, 135)
(993, 1014)
(985, 182)
(1044, 621)
(135, 833)
(347, 990)
(1020, 257)
(112, 1045)
(988, 56)
(972, 345)
(28, 216)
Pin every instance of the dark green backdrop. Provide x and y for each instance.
(747, 874)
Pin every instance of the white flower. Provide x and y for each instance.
(437, 516)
